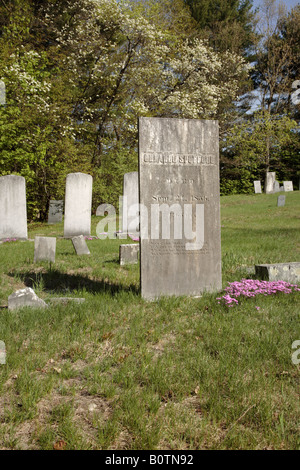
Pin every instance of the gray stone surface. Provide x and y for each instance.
(80, 245)
(179, 191)
(130, 219)
(78, 205)
(2, 353)
(44, 249)
(55, 213)
(289, 272)
(129, 254)
(13, 213)
(269, 183)
(276, 187)
(281, 200)
(288, 186)
(25, 298)
(257, 187)
(65, 300)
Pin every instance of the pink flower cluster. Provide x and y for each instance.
(251, 288)
(9, 240)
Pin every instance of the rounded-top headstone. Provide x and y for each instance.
(78, 204)
(13, 212)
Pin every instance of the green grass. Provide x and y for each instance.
(117, 372)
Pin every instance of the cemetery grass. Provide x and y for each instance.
(117, 372)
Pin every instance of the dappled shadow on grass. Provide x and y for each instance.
(58, 282)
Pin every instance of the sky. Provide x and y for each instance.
(288, 3)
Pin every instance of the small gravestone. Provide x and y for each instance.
(257, 187)
(281, 188)
(281, 201)
(289, 272)
(13, 213)
(78, 205)
(80, 245)
(25, 298)
(130, 218)
(55, 212)
(44, 249)
(66, 300)
(269, 183)
(129, 254)
(2, 353)
(276, 187)
(179, 207)
(288, 186)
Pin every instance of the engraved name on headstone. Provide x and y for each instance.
(180, 207)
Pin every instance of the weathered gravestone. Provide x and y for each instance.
(180, 207)
(2, 353)
(44, 249)
(13, 213)
(80, 245)
(281, 201)
(276, 187)
(269, 183)
(78, 205)
(130, 219)
(288, 186)
(257, 187)
(55, 212)
(25, 298)
(129, 254)
(289, 272)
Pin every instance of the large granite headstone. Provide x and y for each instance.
(130, 220)
(55, 212)
(180, 207)
(13, 213)
(288, 186)
(257, 187)
(78, 205)
(44, 249)
(269, 182)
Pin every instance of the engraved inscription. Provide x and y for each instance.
(174, 248)
(165, 158)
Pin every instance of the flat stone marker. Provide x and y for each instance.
(281, 201)
(55, 213)
(270, 180)
(288, 186)
(44, 249)
(130, 219)
(25, 298)
(80, 245)
(13, 212)
(180, 207)
(66, 300)
(257, 187)
(129, 254)
(78, 205)
(289, 272)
